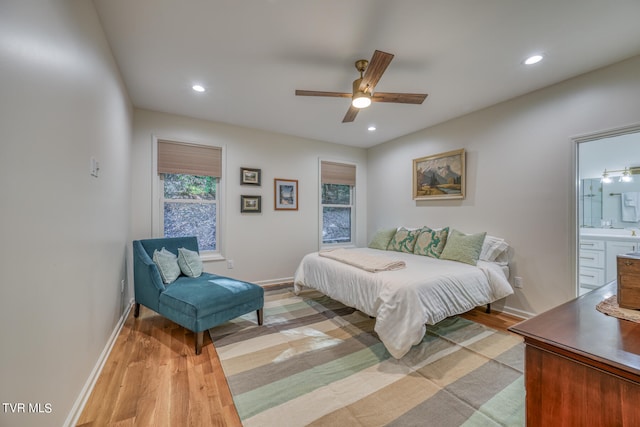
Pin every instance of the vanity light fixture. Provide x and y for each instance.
(625, 177)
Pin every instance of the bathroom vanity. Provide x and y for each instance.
(597, 254)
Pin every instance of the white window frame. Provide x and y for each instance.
(350, 243)
(157, 195)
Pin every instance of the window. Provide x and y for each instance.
(337, 202)
(189, 208)
(189, 192)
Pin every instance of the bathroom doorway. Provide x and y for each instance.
(608, 203)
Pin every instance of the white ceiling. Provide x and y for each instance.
(251, 55)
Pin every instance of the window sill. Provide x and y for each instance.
(206, 257)
(338, 246)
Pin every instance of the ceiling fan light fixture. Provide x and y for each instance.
(361, 100)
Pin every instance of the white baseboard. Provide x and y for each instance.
(274, 281)
(78, 406)
(518, 313)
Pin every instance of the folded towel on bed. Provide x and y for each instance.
(368, 262)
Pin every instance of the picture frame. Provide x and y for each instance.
(250, 176)
(285, 194)
(440, 176)
(250, 204)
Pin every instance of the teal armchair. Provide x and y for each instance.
(196, 303)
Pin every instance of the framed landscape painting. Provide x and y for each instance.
(441, 176)
(286, 194)
(251, 204)
(250, 176)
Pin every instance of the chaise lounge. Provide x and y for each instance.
(196, 303)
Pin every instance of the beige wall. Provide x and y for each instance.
(265, 247)
(64, 233)
(520, 179)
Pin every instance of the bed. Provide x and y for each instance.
(425, 291)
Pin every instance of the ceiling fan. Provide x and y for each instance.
(363, 87)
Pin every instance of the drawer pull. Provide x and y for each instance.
(628, 263)
(587, 244)
(586, 257)
(587, 275)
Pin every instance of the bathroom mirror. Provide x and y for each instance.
(601, 203)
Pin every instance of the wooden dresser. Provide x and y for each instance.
(582, 367)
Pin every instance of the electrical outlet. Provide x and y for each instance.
(229, 263)
(518, 283)
(122, 286)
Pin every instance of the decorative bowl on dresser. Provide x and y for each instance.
(629, 280)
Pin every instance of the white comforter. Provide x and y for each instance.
(403, 301)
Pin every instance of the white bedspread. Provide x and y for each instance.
(403, 301)
(364, 261)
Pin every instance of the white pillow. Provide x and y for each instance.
(494, 248)
(189, 262)
(167, 263)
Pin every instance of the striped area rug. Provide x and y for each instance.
(316, 362)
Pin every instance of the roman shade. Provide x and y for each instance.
(338, 173)
(190, 159)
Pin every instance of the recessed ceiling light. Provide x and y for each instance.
(197, 88)
(371, 128)
(533, 59)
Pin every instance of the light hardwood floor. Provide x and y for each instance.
(153, 377)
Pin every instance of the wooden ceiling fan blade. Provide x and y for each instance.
(377, 66)
(400, 98)
(320, 93)
(352, 112)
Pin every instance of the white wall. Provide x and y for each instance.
(265, 247)
(63, 232)
(520, 178)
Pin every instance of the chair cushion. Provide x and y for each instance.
(207, 294)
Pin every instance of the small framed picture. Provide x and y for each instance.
(286, 194)
(249, 176)
(251, 204)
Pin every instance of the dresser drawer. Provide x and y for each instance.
(589, 258)
(594, 245)
(591, 277)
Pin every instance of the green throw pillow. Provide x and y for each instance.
(167, 263)
(189, 262)
(404, 240)
(463, 247)
(431, 242)
(382, 238)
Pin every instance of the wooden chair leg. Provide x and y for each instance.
(488, 310)
(260, 316)
(199, 340)
(136, 310)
